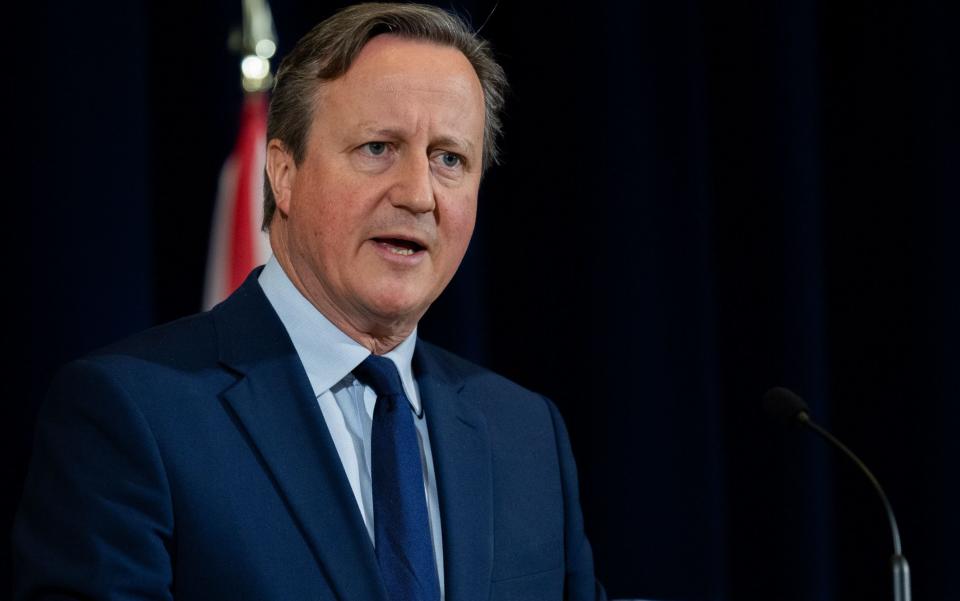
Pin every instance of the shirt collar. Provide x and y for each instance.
(328, 355)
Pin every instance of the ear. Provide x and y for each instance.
(282, 171)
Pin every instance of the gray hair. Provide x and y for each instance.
(328, 50)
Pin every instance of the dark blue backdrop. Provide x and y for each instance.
(699, 201)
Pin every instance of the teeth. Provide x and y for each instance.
(401, 251)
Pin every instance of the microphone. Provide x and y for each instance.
(785, 406)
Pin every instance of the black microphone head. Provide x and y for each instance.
(784, 405)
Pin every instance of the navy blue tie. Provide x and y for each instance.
(401, 527)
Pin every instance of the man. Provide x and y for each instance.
(298, 441)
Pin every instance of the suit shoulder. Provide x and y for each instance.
(160, 370)
(468, 371)
(485, 386)
(189, 342)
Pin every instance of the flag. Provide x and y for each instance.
(236, 243)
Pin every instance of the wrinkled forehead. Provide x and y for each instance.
(391, 62)
(396, 78)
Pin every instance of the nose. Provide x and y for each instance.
(413, 188)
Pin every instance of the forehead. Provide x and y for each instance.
(394, 78)
(389, 54)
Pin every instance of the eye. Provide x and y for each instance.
(375, 148)
(451, 160)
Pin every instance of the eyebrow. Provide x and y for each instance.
(445, 140)
(458, 143)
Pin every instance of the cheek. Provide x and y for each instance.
(460, 219)
(326, 213)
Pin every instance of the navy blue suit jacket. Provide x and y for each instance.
(192, 462)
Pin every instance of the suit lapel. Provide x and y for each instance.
(461, 456)
(275, 405)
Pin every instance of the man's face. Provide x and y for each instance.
(379, 213)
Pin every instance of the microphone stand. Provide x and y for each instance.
(898, 563)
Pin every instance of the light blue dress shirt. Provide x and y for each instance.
(329, 357)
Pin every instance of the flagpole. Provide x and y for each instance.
(258, 45)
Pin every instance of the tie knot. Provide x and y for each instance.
(380, 374)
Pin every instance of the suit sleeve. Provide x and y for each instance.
(581, 583)
(95, 520)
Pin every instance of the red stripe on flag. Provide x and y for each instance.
(236, 243)
(242, 243)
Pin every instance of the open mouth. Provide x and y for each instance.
(399, 246)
